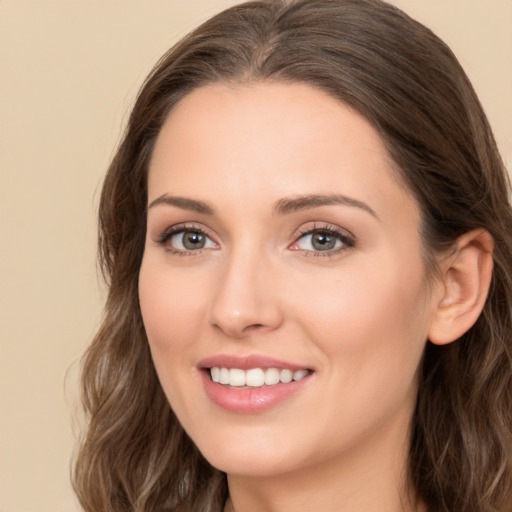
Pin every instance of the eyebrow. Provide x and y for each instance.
(284, 206)
(184, 203)
(294, 204)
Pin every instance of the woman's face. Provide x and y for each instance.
(280, 246)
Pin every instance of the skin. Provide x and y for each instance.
(359, 315)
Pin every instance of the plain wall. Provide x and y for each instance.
(69, 70)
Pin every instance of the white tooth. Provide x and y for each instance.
(215, 373)
(271, 376)
(299, 374)
(255, 377)
(286, 376)
(236, 377)
(224, 376)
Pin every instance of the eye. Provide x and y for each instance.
(325, 239)
(182, 240)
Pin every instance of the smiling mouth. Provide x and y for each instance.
(255, 377)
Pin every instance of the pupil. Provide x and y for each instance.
(323, 241)
(193, 240)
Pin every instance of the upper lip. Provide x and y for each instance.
(248, 362)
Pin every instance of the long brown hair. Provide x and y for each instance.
(134, 455)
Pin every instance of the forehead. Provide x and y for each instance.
(280, 138)
(252, 115)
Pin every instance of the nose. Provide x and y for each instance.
(246, 298)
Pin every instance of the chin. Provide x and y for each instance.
(259, 457)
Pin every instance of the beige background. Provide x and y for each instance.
(69, 70)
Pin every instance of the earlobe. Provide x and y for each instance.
(465, 280)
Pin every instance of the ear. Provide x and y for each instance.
(464, 284)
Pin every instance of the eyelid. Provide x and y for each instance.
(175, 229)
(348, 240)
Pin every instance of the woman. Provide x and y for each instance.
(306, 233)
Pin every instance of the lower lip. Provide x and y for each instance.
(250, 400)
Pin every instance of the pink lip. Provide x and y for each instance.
(247, 362)
(249, 400)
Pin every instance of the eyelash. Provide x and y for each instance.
(347, 240)
(175, 230)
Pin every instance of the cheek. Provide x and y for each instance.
(372, 315)
(370, 328)
(172, 313)
(171, 308)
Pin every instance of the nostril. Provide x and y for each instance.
(253, 327)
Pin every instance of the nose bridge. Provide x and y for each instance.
(245, 298)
